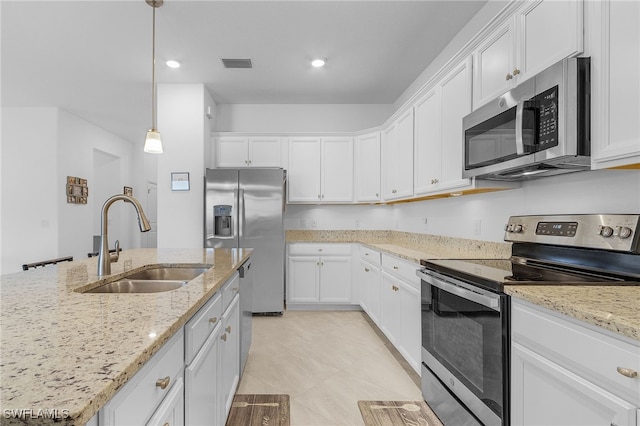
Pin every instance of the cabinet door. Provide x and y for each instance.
(304, 170)
(390, 162)
(337, 170)
(456, 103)
(410, 310)
(616, 96)
(493, 63)
(171, 411)
(303, 279)
(231, 151)
(368, 167)
(374, 289)
(543, 393)
(364, 274)
(265, 152)
(335, 279)
(428, 139)
(229, 362)
(390, 305)
(202, 382)
(548, 31)
(404, 182)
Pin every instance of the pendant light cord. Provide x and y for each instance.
(153, 74)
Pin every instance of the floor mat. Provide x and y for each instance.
(259, 410)
(397, 413)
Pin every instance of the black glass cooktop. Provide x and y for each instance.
(494, 274)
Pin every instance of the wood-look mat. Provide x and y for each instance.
(259, 410)
(397, 413)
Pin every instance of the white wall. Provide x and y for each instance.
(37, 222)
(181, 123)
(290, 118)
(312, 217)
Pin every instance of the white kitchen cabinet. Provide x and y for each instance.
(541, 33)
(397, 160)
(171, 410)
(400, 313)
(320, 170)
(258, 151)
(566, 372)
(229, 361)
(144, 393)
(318, 274)
(438, 132)
(202, 393)
(367, 167)
(370, 280)
(615, 83)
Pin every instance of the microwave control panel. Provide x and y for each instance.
(547, 103)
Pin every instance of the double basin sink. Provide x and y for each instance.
(156, 279)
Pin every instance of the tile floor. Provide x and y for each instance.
(326, 362)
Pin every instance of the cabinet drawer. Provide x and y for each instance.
(229, 290)
(401, 268)
(582, 350)
(201, 325)
(370, 255)
(140, 397)
(302, 249)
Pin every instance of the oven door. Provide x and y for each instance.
(465, 345)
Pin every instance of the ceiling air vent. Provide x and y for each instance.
(237, 63)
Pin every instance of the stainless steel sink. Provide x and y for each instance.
(153, 280)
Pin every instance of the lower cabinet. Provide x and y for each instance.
(565, 373)
(370, 288)
(229, 361)
(318, 274)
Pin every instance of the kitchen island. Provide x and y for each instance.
(64, 354)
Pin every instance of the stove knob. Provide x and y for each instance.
(606, 231)
(517, 228)
(625, 232)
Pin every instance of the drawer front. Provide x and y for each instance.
(201, 325)
(401, 269)
(302, 249)
(135, 403)
(370, 255)
(229, 290)
(582, 350)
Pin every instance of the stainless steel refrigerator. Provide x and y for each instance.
(245, 208)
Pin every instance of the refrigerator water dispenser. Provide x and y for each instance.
(222, 218)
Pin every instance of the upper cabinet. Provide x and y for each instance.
(367, 172)
(320, 170)
(540, 34)
(397, 160)
(615, 83)
(438, 132)
(262, 151)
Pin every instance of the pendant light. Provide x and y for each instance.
(153, 142)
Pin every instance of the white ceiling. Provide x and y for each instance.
(93, 58)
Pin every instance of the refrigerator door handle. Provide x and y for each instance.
(241, 215)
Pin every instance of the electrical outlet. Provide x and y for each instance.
(314, 223)
(477, 227)
(357, 223)
(304, 224)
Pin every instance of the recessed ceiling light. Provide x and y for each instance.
(172, 63)
(319, 62)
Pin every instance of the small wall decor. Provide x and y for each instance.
(77, 190)
(128, 191)
(180, 181)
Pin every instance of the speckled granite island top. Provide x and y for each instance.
(71, 352)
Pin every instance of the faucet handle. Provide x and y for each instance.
(115, 256)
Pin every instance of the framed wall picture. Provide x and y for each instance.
(180, 181)
(77, 190)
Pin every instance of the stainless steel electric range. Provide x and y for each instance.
(465, 312)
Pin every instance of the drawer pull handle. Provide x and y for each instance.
(235, 289)
(228, 329)
(166, 424)
(627, 372)
(213, 320)
(163, 383)
(224, 337)
(396, 268)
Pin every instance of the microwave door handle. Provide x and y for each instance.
(519, 123)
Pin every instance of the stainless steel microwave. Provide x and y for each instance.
(539, 128)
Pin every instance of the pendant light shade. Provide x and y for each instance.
(153, 142)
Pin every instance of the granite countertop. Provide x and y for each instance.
(69, 351)
(614, 308)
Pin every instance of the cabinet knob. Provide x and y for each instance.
(236, 289)
(516, 71)
(166, 424)
(213, 320)
(627, 372)
(434, 181)
(228, 329)
(322, 195)
(508, 77)
(319, 249)
(393, 191)
(377, 194)
(394, 288)
(366, 269)
(163, 383)
(318, 196)
(246, 162)
(249, 161)
(224, 337)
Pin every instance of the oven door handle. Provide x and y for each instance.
(489, 301)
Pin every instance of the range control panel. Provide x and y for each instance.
(617, 232)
